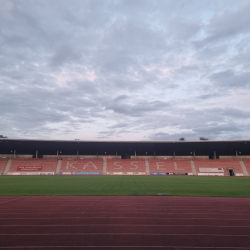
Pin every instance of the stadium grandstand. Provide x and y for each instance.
(50, 157)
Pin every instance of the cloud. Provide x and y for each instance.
(226, 25)
(64, 54)
(125, 70)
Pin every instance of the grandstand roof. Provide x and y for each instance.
(70, 147)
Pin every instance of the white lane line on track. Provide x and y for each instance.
(176, 247)
(125, 209)
(131, 212)
(198, 204)
(141, 210)
(153, 218)
(41, 203)
(13, 199)
(140, 234)
(122, 225)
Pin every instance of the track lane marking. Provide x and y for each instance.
(122, 225)
(2, 202)
(146, 234)
(152, 218)
(176, 247)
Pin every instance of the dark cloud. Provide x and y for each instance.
(137, 109)
(230, 79)
(228, 24)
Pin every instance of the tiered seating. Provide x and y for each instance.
(220, 167)
(34, 166)
(81, 166)
(247, 164)
(126, 165)
(3, 162)
(170, 166)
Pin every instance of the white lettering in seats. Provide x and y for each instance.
(90, 163)
(159, 166)
(71, 165)
(175, 166)
(116, 164)
(135, 166)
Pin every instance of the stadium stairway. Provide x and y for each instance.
(6, 170)
(247, 165)
(3, 162)
(244, 169)
(193, 167)
(104, 171)
(58, 166)
(147, 167)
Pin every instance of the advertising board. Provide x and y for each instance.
(80, 173)
(178, 173)
(210, 174)
(126, 173)
(155, 173)
(29, 168)
(30, 173)
(211, 170)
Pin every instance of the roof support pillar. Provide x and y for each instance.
(135, 154)
(215, 155)
(36, 154)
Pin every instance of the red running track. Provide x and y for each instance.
(124, 222)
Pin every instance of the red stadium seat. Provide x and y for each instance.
(218, 167)
(22, 165)
(247, 164)
(3, 162)
(82, 165)
(126, 165)
(170, 166)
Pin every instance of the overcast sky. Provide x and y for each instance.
(125, 70)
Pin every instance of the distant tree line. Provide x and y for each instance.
(1, 136)
(201, 139)
(204, 139)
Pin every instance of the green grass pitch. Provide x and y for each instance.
(125, 185)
